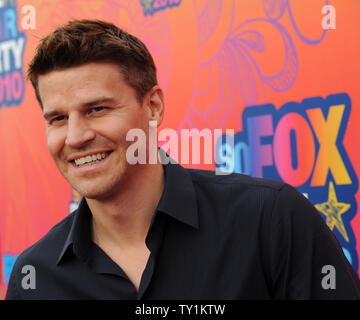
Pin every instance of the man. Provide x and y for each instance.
(153, 231)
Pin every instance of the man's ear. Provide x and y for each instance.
(155, 102)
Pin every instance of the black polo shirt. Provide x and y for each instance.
(211, 237)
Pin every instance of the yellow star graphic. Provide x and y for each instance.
(333, 210)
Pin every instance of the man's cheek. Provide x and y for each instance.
(55, 144)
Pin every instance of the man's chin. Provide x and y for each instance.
(95, 194)
(99, 188)
(101, 191)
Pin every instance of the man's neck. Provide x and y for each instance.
(124, 220)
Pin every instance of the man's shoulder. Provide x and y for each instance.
(50, 244)
(234, 180)
(240, 193)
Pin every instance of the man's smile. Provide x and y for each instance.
(89, 157)
(90, 160)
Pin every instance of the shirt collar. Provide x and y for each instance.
(179, 197)
(177, 201)
(80, 232)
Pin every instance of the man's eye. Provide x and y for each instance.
(96, 109)
(57, 119)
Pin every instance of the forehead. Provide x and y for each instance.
(75, 85)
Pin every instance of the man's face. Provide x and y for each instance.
(89, 110)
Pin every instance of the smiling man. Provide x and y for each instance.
(88, 111)
(153, 231)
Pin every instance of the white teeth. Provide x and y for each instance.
(91, 158)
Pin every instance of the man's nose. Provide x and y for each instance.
(79, 132)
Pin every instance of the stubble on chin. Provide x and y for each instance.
(105, 185)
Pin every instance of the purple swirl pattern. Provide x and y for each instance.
(208, 19)
(241, 80)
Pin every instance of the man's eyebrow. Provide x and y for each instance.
(97, 101)
(50, 114)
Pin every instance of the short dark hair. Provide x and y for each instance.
(83, 41)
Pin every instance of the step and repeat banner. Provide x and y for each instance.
(281, 74)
